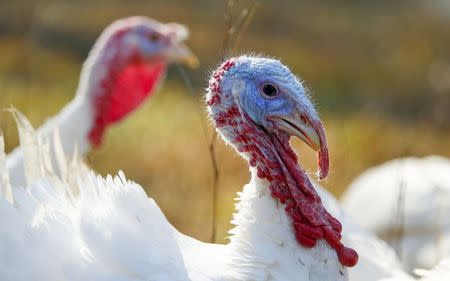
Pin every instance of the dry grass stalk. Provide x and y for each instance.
(231, 39)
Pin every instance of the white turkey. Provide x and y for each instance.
(125, 66)
(406, 202)
(80, 226)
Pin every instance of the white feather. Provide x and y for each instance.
(376, 259)
(34, 166)
(111, 230)
(406, 201)
(5, 186)
(60, 156)
(441, 272)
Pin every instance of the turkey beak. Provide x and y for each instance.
(180, 53)
(299, 126)
(309, 130)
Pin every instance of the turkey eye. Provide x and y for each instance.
(269, 90)
(154, 37)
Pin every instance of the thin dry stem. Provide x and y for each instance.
(231, 39)
(245, 19)
(400, 217)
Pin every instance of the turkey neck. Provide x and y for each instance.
(276, 163)
(72, 123)
(122, 79)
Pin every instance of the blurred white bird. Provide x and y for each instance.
(125, 66)
(406, 202)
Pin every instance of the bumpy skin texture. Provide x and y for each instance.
(241, 115)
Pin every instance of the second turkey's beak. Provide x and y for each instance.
(310, 130)
(178, 52)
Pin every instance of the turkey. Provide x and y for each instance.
(125, 66)
(411, 207)
(80, 226)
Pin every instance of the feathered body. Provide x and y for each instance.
(411, 207)
(111, 230)
(377, 260)
(80, 226)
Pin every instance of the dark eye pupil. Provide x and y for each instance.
(154, 37)
(269, 90)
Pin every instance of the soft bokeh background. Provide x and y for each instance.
(379, 72)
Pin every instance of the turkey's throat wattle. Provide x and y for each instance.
(121, 91)
(291, 186)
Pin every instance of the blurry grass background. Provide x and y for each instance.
(379, 73)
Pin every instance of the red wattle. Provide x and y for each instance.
(131, 86)
(348, 257)
(122, 92)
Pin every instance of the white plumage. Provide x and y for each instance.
(376, 259)
(86, 227)
(440, 272)
(83, 227)
(406, 201)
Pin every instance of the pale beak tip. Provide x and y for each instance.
(191, 61)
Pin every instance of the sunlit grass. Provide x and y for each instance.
(164, 146)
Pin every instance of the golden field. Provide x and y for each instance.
(380, 79)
